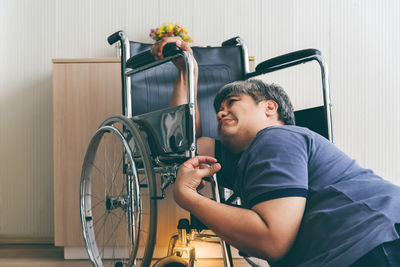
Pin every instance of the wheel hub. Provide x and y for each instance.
(119, 202)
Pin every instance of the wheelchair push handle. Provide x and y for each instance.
(232, 42)
(145, 58)
(287, 60)
(115, 37)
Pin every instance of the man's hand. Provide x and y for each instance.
(157, 48)
(190, 177)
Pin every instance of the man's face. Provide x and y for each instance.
(239, 120)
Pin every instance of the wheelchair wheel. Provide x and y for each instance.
(117, 196)
(171, 261)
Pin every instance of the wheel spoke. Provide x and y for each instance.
(97, 204)
(94, 196)
(113, 229)
(98, 169)
(115, 173)
(105, 215)
(104, 234)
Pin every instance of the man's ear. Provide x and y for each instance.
(271, 107)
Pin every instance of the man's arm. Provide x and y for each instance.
(179, 94)
(267, 231)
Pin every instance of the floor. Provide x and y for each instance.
(48, 255)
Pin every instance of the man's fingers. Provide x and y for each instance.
(209, 170)
(181, 44)
(162, 43)
(154, 50)
(184, 46)
(160, 50)
(157, 48)
(198, 160)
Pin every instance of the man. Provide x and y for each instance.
(305, 203)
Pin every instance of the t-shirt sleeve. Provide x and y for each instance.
(275, 167)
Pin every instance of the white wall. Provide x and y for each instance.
(358, 38)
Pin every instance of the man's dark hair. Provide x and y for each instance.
(259, 91)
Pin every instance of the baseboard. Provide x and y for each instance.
(25, 239)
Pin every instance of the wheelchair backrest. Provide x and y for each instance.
(151, 89)
(313, 119)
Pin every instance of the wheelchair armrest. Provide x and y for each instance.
(287, 60)
(146, 57)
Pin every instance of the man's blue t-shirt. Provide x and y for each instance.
(349, 210)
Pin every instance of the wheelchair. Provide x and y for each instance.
(118, 190)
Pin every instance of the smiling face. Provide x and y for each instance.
(240, 118)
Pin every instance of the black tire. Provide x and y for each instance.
(171, 261)
(118, 206)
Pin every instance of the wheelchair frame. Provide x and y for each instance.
(132, 132)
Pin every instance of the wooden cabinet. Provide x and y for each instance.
(85, 93)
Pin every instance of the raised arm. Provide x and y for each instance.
(179, 94)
